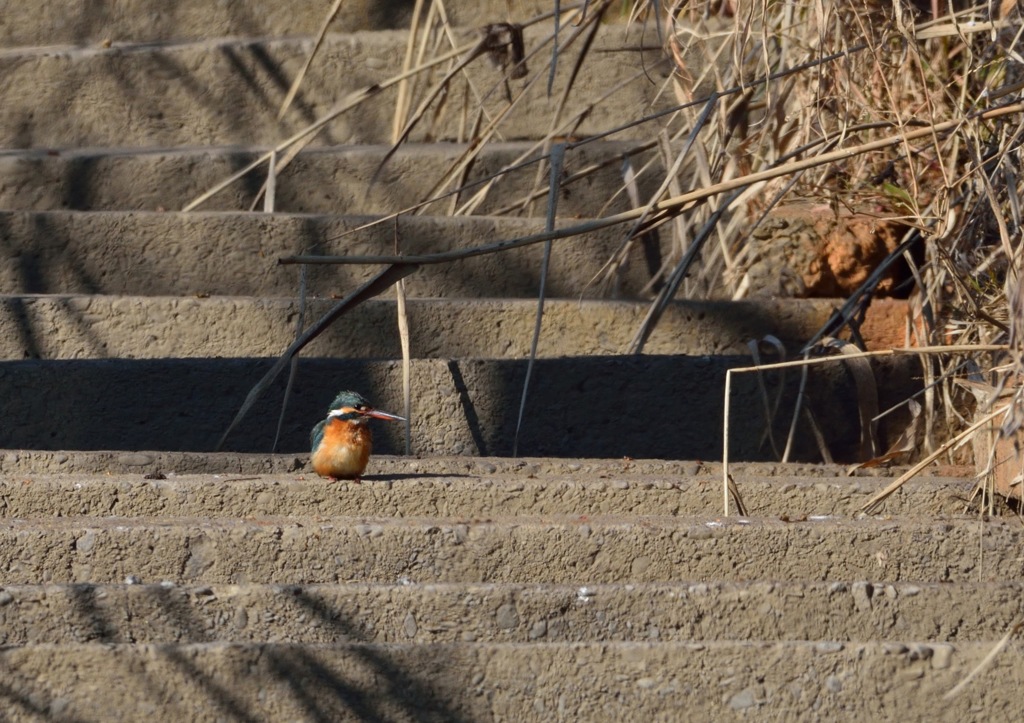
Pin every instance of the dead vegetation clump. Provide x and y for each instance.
(914, 122)
(904, 114)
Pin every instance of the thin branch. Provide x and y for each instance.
(967, 348)
(663, 209)
(374, 287)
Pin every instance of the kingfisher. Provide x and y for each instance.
(342, 442)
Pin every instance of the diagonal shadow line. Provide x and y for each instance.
(77, 185)
(238, 66)
(97, 348)
(28, 277)
(89, 21)
(249, 185)
(421, 702)
(23, 325)
(273, 70)
(304, 675)
(35, 277)
(84, 598)
(29, 334)
(164, 65)
(174, 601)
(27, 704)
(219, 694)
(472, 420)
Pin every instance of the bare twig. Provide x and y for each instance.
(309, 59)
(664, 209)
(556, 172)
(969, 348)
(374, 287)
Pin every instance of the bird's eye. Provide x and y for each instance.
(360, 407)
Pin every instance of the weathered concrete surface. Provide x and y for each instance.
(404, 487)
(533, 586)
(235, 254)
(156, 20)
(578, 406)
(229, 91)
(334, 180)
(465, 682)
(37, 462)
(547, 549)
(455, 589)
(143, 327)
(507, 613)
(236, 485)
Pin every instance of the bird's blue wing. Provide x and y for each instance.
(317, 435)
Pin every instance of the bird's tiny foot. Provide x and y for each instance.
(353, 480)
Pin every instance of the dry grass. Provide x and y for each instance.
(877, 107)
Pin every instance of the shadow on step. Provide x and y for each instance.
(245, 681)
(667, 407)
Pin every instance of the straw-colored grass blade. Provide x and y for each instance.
(294, 89)
(307, 134)
(985, 663)
(771, 406)
(867, 393)
(805, 363)
(956, 441)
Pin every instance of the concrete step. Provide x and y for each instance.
(138, 582)
(225, 91)
(468, 681)
(547, 549)
(507, 613)
(235, 254)
(148, 327)
(50, 22)
(37, 462)
(328, 180)
(413, 488)
(578, 406)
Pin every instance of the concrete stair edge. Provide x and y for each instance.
(536, 549)
(505, 612)
(405, 487)
(80, 326)
(466, 406)
(469, 681)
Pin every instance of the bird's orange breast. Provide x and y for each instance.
(344, 451)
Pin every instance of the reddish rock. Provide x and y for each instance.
(854, 245)
(885, 325)
(998, 452)
(830, 254)
(1007, 466)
